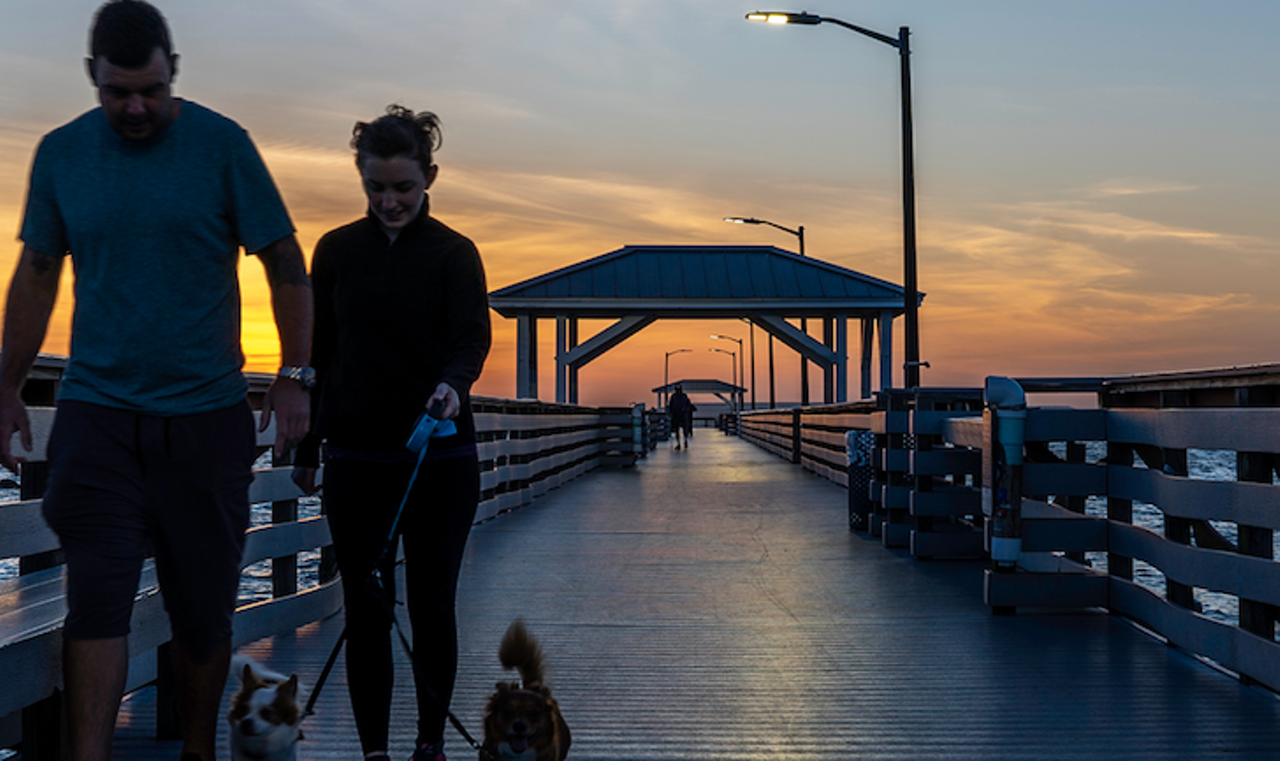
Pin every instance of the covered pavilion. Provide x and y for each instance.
(718, 388)
(765, 285)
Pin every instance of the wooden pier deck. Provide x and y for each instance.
(710, 604)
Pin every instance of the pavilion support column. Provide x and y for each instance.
(562, 350)
(773, 397)
(526, 357)
(868, 340)
(886, 350)
(829, 372)
(842, 358)
(573, 368)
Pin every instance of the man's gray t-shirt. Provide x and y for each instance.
(154, 230)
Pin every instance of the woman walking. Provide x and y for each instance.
(402, 323)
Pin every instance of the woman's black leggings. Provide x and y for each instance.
(361, 499)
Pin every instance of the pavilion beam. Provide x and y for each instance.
(795, 339)
(527, 356)
(572, 368)
(562, 374)
(586, 352)
(886, 350)
(829, 372)
(868, 341)
(842, 358)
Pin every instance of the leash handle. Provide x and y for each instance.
(429, 426)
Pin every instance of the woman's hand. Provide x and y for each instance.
(449, 398)
(305, 478)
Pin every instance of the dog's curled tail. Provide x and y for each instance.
(520, 651)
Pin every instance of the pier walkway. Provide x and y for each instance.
(711, 604)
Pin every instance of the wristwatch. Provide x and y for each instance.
(303, 376)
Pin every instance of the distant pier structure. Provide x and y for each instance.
(638, 285)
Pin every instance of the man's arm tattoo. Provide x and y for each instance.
(43, 263)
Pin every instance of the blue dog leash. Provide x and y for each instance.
(429, 426)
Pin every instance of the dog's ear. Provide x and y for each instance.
(289, 690)
(247, 676)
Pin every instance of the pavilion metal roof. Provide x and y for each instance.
(698, 281)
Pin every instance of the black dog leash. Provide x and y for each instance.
(404, 641)
(428, 425)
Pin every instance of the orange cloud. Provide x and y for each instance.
(1066, 287)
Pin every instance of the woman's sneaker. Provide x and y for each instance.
(429, 752)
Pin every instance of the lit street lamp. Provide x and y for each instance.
(666, 377)
(733, 366)
(804, 322)
(798, 232)
(912, 362)
(742, 373)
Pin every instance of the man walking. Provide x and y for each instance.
(681, 411)
(152, 196)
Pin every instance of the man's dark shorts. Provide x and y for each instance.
(120, 484)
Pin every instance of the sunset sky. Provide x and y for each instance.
(1097, 180)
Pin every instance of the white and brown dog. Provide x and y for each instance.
(265, 715)
(522, 721)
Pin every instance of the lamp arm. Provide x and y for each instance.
(873, 35)
(780, 227)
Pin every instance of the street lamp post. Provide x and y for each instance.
(733, 368)
(804, 322)
(912, 362)
(742, 373)
(666, 375)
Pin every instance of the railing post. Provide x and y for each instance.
(1119, 510)
(284, 569)
(1007, 410)
(1178, 530)
(1075, 503)
(638, 446)
(1256, 617)
(796, 429)
(859, 446)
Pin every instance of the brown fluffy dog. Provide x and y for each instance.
(265, 715)
(522, 721)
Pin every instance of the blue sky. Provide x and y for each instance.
(1095, 179)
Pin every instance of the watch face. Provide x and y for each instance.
(304, 376)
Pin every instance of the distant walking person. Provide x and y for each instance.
(152, 197)
(402, 322)
(680, 408)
